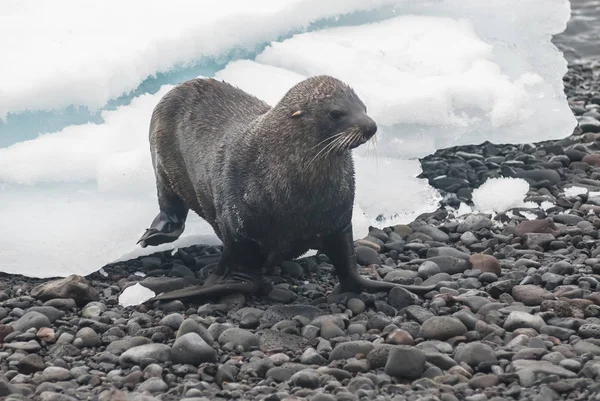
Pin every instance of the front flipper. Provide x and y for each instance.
(339, 248)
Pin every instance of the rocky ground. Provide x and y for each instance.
(515, 313)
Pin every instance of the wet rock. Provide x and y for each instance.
(73, 286)
(442, 328)
(31, 320)
(475, 353)
(350, 349)
(191, 349)
(531, 295)
(485, 263)
(239, 337)
(135, 355)
(405, 362)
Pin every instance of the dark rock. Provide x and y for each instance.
(191, 349)
(405, 362)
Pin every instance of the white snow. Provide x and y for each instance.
(432, 73)
(135, 295)
(500, 194)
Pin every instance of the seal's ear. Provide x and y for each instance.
(297, 114)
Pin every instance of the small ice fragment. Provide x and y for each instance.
(135, 295)
(528, 215)
(310, 252)
(500, 194)
(546, 205)
(573, 191)
(103, 272)
(463, 209)
(174, 251)
(140, 274)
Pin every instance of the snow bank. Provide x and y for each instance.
(432, 73)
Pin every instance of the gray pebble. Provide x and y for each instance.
(518, 320)
(239, 337)
(87, 337)
(191, 349)
(153, 385)
(350, 349)
(135, 355)
(172, 320)
(475, 353)
(442, 328)
(405, 362)
(307, 378)
(31, 320)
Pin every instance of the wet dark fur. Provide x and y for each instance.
(242, 165)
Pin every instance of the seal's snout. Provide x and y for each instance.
(370, 128)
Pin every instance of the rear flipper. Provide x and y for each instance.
(164, 229)
(169, 224)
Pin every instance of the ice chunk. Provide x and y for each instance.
(92, 53)
(500, 194)
(573, 191)
(135, 295)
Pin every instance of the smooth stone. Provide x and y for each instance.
(401, 298)
(418, 313)
(442, 328)
(475, 353)
(450, 264)
(518, 320)
(405, 362)
(474, 222)
(307, 378)
(31, 320)
(531, 295)
(119, 346)
(153, 385)
(434, 232)
(239, 337)
(543, 367)
(88, 337)
(74, 286)
(189, 325)
(428, 269)
(485, 263)
(135, 355)
(350, 349)
(191, 349)
(93, 309)
(172, 320)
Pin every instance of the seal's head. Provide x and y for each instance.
(330, 111)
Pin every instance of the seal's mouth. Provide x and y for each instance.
(362, 140)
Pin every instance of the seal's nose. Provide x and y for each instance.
(370, 128)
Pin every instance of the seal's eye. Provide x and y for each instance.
(335, 114)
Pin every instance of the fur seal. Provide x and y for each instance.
(273, 182)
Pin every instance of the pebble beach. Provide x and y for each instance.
(515, 314)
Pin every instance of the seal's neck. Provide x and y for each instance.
(298, 149)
